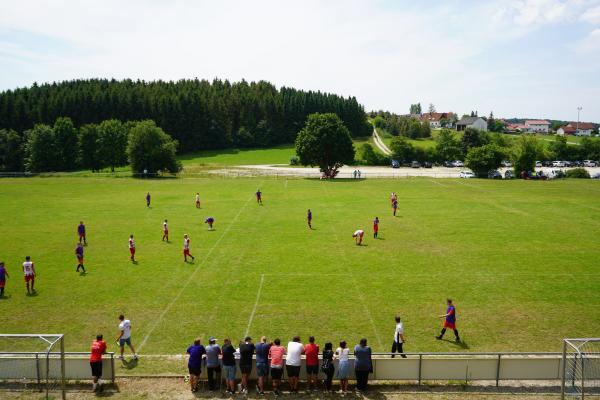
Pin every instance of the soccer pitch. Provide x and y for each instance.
(519, 258)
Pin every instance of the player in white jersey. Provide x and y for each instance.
(358, 236)
(132, 248)
(165, 231)
(186, 248)
(197, 200)
(29, 272)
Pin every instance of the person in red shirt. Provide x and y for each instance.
(98, 348)
(311, 350)
(375, 227)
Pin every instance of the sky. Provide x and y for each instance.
(517, 58)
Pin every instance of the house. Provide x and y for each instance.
(514, 128)
(471, 122)
(439, 120)
(537, 126)
(573, 128)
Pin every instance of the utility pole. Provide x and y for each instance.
(578, 111)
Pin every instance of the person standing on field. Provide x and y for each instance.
(124, 337)
(398, 338)
(309, 218)
(258, 197)
(197, 200)
(148, 198)
(213, 364)
(3, 276)
(395, 206)
(165, 231)
(449, 321)
(312, 363)
(262, 364)
(81, 232)
(96, 352)
(246, 352)
(79, 255)
(186, 248)
(131, 248)
(375, 227)
(29, 272)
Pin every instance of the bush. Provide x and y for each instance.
(294, 160)
(580, 173)
(483, 159)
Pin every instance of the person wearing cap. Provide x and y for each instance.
(229, 365)
(262, 364)
(213, 365)
(246, 352)
(196, 352)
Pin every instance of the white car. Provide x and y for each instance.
(590, 163)
(467, 174)
(458, 164)
(559, 164)
(538, 164)
(506, 164)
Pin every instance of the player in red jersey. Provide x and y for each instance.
(186, 248)
(132, 248)
(375, 227)
(165, 231)
(96, 352)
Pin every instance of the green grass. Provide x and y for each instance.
(276, 155)
(520, 259)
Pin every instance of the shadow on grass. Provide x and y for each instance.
(462, 344)
(5, 296)
(32, 294)
(131, 364)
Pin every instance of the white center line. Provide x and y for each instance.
(260, 286)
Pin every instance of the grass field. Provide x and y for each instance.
(520, 259)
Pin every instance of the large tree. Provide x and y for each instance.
(40, 149)
(447, 146)
(325, 142)
(151, 150)
(473, 138)
(483, 159)
(65, 140)
(89, 147)
(527, 150)
(11, 151)
(112, 141)
(402, 149)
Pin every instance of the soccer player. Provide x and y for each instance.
(395, 206)
(449, 321)
(186, 248)
(358, 236)
(309, 218)
(29, 272)
(148, 199)
(210, 221)
(398, 338)
(165, 231)
(81, 232)
(393, 197)
(79, 255)
(96, 352)
(197, 200)
(132, 248)
(3, 276)
(125, 336)
(375, 227)
(258, 197)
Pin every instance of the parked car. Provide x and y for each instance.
(555, 173)
(547, 163)
(508, 174)
(538, 164)
(568, 163)
(467, 174)
(558, 164)
(506, 164)
(458, 164)
(596, 176)
(427, 164)
(590, 163)
(415, 164)
(448, 164)
(395, 164)
(494, 174)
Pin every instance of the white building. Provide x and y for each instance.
(471, 122)
(572, 128)
(537, 126)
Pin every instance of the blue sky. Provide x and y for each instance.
(521, 58)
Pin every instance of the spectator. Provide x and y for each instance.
(98, 349)
(125, 336)
(362, 364)
(213, 365)
(262, 364)
(327, 365)
(229, 365)
(398, 339)
(312, 363)
(276, 353)
(341, 353)
(246, 352)
(293, 362)
(196, 352)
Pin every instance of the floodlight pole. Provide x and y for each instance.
(578, 111)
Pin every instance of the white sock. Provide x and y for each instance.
(95, 386)
(100, 382)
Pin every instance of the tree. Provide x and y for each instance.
(40, 149)
(431, 108)
(483, 159)
(415, 108)
(112, 140)
(402, 149)
(325, 141)
(151, 150)
(527, 150)
(11, 151)
(473, 138)
(447, 146)
(370, 157)
(590, 148)
(65, 140)
(559, 148)
(89, 147)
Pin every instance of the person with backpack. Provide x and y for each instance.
(327, 365)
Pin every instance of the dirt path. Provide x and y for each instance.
(379, 143)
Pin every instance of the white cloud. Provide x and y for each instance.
(591, 15)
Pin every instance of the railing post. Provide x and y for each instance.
(498, 371)
(420, 363)
(112, 363)
(62, 368)
(37, 370)
(564, 370)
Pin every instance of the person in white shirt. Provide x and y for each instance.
(197, 200)
(343, 372)
(125, 336)
(293, 361)
(132, 248)
(165, 231)
(398, 338)
(29, 272)
(358, 236)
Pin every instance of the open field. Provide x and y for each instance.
(520, 258)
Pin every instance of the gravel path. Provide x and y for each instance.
(379, 143)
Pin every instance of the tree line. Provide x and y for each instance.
(197, 113)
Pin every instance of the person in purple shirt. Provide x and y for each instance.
(3, 276)
(309, 218)
(81, 232)
(196, 352)
(148, 199)
(449, 321)
(210, 221)
(79, 255)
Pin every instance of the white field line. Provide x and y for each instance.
(260, 286)
(437, 183)
(192, 275)
(379, 143)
